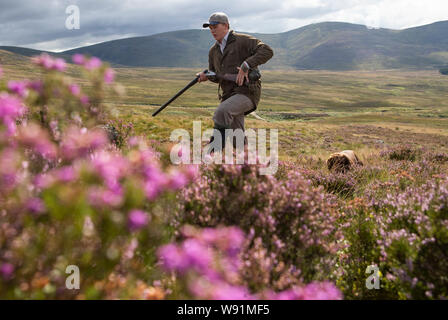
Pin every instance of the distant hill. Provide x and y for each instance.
(328, 45)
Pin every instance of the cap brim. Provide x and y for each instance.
(213, 23)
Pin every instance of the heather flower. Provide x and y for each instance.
(49, 63)
(197, 254)
(134, 141)
(18, 87)
(111, 167)
(35, 205)
(102, 197)
(172, 258)
(402, 152)
(78, 59)
(59, 65)
(9, 166)
(192, 171)
(130, 250)
(109, 75)
(155, 180)
(87, 192)
(227, 292)
(229, 240)
(84, 100)
(44, 60)
(7, 271)
(438, 157)
(43, 180)
(34, 137)
(320, 291)
(152, 190)
(137, 219)
(54, 127)
(80, 142)
(177, 180)
(288, 212)
(65, 174)
(411, 237)
(74, 89)
(312, 291)
(10, 109)
(93, 63)
(10, 106)
(214, 271)
(36, 85)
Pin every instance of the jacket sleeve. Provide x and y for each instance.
(261, 53)
(211, 67)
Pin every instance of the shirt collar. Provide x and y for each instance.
(223, 41)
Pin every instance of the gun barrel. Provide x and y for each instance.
(192, 83)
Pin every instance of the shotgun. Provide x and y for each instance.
(254, 75)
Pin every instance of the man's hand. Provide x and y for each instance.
(202, 77)
(242, 76)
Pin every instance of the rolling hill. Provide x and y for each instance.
(320, 46)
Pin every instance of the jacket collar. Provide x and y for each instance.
(231, 37)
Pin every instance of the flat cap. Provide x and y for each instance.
(216, 18)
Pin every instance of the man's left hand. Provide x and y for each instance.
(242, 77)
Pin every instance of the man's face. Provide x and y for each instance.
(219, 31)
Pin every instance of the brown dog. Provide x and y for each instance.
(343, 161)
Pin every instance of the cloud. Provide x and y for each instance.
(41, 25)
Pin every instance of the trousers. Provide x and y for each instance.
(230, 113)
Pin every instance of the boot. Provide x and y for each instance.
(222, 132)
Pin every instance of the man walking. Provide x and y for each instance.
(234, 53)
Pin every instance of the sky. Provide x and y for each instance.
(43, 24)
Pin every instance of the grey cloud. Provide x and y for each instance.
(41, 24)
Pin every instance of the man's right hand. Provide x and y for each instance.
(202, 77)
